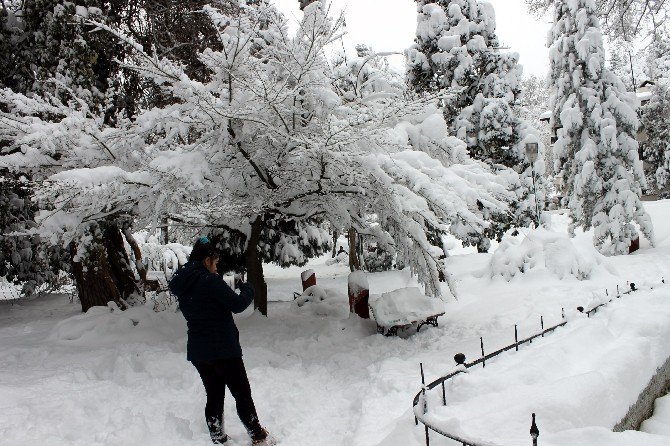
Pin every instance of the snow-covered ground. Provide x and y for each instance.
(118, 378)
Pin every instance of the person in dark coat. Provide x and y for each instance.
(213, 347)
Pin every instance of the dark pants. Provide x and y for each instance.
(216, 375)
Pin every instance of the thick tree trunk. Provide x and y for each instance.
(335, 236)
(354, 260)
(254, 264)
(95, 286)
(104, 274)
(122, 270)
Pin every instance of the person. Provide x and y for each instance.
(213, 346)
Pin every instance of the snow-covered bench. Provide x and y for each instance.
(404, 307)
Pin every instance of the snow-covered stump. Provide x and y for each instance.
(359, 294)
(308, 278)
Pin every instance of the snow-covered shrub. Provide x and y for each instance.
(541, 249)
(320, 301)
(377, 259)
(157, 257)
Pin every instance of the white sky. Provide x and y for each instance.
(390, 25)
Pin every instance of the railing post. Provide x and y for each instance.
(425, 403)
(481, 342)
(516, 338)
(534, 431)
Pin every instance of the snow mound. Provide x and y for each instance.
(404, 306)
(319, 301)
(541, 249)
(109, 324)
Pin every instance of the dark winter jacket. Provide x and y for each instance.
(208, 304)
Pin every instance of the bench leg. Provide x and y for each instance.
(432, 320)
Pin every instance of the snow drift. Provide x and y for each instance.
(541, 249)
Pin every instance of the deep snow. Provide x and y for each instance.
(119, 378)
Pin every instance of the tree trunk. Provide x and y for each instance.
(164, 230)
(104, 274)
(335, 236)
(95, 286)
(354, 260)
(254, 264)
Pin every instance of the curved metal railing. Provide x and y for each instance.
(420, 403)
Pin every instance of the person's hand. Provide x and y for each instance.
(238, 279)
(246, 289)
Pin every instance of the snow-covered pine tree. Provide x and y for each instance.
(596, 152)
(457, 49)
(24, 258)
(655, 118)
(656, 148)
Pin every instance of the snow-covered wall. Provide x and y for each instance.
(644, 406)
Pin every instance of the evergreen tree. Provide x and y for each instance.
(24, 258)
(596, 152)
(655, 118)
(457, 51)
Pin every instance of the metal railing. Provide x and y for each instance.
(420, 403)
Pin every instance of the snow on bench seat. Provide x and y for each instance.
(403, 307)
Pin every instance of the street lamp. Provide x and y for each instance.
(532, 149)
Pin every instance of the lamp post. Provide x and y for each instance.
(531, 153)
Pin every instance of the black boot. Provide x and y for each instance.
(216, 432)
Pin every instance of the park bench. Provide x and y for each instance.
(401, 309)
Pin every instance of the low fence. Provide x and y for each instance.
(420, 403)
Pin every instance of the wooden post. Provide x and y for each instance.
(308, 278)
(516, 338)
(359, 293)
(634, 245)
